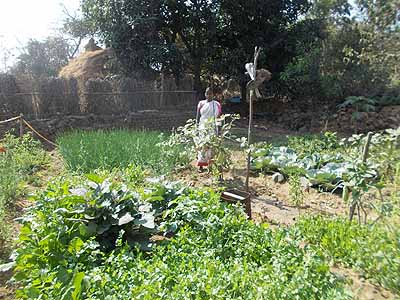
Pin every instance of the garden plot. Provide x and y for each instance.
(117, 234)
(332, 165)
(85, 151)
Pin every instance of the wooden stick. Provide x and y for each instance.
(257, 51)
(366, 147)
(249, 140)
(21, 125)
(10, 120)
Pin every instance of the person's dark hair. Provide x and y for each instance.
(215, 90)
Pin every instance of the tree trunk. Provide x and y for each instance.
(243, 91)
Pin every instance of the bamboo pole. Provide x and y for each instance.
(162, 90)
(257, 51)
(21, 125)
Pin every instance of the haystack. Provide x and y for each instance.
(89, 64)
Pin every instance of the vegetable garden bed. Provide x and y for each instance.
(93, 236)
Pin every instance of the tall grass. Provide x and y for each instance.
(86, 151)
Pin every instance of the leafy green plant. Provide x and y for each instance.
(5, 236)
(372, 249)
(325, 170)
(213, 251)
(359, 178)
(231, 261)
(10, 180)
(385, 151)
(193, 138)
(359, 104)
(19, 160)
(26, 152)
(330, 163)
(296, 194)
(388, 100)
(311, 144)
(373, 173)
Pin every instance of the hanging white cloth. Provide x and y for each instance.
(208, 110)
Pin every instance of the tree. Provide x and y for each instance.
(244, 24)
(380, 29)
(331, 11)
(194, 22)
(151, 36)
(132, 29)
(384, 15)
(202, 36)
(75, 29)
(43, 58)
(354, 55)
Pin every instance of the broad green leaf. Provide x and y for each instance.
(77, 281)
(75, 245)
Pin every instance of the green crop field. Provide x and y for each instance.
(86, 151)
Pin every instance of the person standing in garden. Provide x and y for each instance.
(208, 111)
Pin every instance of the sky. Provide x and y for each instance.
(21, 20)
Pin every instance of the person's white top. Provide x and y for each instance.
(207, 110)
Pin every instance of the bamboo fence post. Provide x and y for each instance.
(162, 91)
(21, 125)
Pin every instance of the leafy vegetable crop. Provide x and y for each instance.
(213, 251)
(329, 163)
(373, 249)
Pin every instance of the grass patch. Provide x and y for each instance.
(374, 250)
(20, 159)
(86, 151)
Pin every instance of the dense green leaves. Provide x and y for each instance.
(328, 162)
(354, 54)
(185, 142)
(374, 249)
(196, 36)
(325, 170)
(215, 252)
(117, 235)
